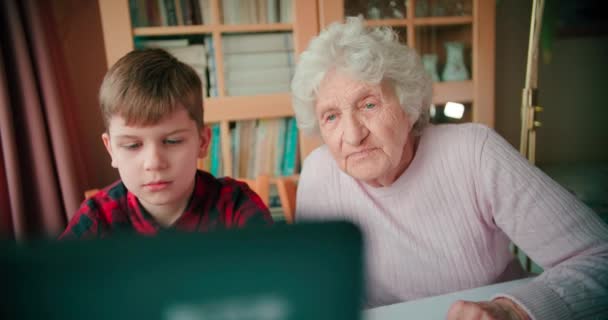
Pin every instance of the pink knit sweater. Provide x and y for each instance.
(446, 223)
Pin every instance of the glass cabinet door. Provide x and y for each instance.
(376, 9)
(442, 8)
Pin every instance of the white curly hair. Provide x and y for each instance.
(367, 54)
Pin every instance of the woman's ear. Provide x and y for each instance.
(205, 140)
(105, 137)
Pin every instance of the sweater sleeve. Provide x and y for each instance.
(551, 226)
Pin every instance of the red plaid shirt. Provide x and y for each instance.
(215, 203)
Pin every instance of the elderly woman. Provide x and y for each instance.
(438, 204)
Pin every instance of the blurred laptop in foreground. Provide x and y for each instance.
(307, 271)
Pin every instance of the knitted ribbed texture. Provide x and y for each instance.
(444, 225)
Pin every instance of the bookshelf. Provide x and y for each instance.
(420, 23)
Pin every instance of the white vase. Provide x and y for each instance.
(429, 61)
(454, 69)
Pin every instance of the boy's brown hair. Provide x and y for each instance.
(146, 85)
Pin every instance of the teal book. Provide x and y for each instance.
(291, 145)
(216, 151)
(134, 10)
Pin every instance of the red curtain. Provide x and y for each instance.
(40, 171)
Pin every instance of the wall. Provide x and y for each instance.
(79, 30)
(571, 89)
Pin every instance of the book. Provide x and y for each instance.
(247, 131)
(164, 43)
(230, 11)
(248, 90)
(134, 11)
(280, 147)
(211, 68)
(260, 148)
(178, 12)
(261, 11)
(162, 12)
(278, 75)
(171, 12)
(291, 144)
(187, 16)
(246, 12)
(268, 160)
(259, 42)
(194, 55)
(272, 11)
(258, 60)
(205, 8)
(216, 151)
(235, 146)
(153, 13)
(197, 17)
(285, 10)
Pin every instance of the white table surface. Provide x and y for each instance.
(437, 307)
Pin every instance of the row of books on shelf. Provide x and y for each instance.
(261, 63)
(258, 147)
(155, 13)
(256, 11)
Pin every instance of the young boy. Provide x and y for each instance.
(152, 109)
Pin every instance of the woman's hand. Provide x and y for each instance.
(498, 309)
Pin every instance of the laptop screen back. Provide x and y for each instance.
(307, 271)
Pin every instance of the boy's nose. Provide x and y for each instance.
(155, 159)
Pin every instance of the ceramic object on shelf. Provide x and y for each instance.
(454, 69)
(429, 61)
(374, 11)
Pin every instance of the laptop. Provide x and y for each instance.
(303, 271)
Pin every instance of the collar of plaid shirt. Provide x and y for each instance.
(214, 203)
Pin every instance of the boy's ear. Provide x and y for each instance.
(205, 140)
(105, 137)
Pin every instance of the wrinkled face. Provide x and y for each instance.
(158, 162)
(365, 128)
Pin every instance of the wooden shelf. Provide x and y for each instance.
(456, 91)
(247, 107)
(423, 21)
(279, 105)
(236, 28)
(387, 22)
(208, 29)
(441, 21)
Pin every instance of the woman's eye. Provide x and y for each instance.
(330, 117)
(370, 105)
